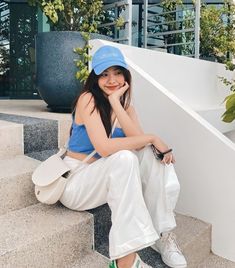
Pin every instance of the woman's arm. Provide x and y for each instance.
(127, 119)
(97, 134)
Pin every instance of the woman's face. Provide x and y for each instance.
(110, 80)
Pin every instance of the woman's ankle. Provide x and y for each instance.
(127, 261)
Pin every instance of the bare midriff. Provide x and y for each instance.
(80, 156)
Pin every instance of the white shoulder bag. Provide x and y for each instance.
(51, 176)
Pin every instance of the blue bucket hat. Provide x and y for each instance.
(105, 57)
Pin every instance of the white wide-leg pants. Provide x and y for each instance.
(140, 191)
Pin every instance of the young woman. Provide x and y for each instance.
(123, 172)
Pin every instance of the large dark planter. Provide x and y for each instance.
(55, 68)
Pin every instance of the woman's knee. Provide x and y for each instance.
(125, 171)
(125, 157)
(145, 152)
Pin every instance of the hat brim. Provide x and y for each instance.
(103, 66)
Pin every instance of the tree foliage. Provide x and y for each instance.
(71, 15)
(74, 15)
(217, 39)
(217, 35)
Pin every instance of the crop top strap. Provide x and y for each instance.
(114, 126)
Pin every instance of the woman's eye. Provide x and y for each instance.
(103, 74)
(118, 72)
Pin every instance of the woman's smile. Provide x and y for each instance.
(113, 87)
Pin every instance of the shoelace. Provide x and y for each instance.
(171, 243)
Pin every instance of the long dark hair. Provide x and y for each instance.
(102, 104)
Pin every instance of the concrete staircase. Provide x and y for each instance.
(36, 235)
(33, 234)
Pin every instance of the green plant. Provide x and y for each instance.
(229, 115)
(175, 18)
(82, 63)
(112, 18)
(166, 22)
(218, 41)
(71, 15)
(4, 50)
(4, 60)
(74, 15)
(217, 36)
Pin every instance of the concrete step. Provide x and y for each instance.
(193, 236)
(16, 187)
(38, 134)
(42, 155)
(38, 109)
(44, 236)
(92, 260)
(214, 261)
(11, 139)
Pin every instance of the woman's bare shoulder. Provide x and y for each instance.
(86, 98)
(84, 106)
(85, 101)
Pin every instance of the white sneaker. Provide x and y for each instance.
(138, 263)
(170, 251)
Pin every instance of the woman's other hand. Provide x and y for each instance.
(168, 158)
(162, 147)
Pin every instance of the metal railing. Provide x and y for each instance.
(176, 31)
(116, 10)
(4, 16)
(4, 27)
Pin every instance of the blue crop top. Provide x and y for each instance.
(79, 141)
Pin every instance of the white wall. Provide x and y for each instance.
(205, 157)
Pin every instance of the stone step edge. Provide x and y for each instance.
(63, 122)
(16, 187)
(23, 241)
(93, 258)
(212, 259)
(39, 212)
(194, 238)
(202, 227)
(11, 142)
(17, 165)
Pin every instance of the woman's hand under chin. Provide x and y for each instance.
(116, 95)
